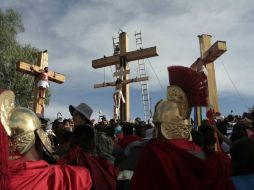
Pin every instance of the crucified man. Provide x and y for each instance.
(118, 95)
(43, 82)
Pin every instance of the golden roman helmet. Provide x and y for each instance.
(7, 99)
(170, 115)
(176, 94)
(21, 124)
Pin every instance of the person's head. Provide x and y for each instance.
(208, 136)
(168, 122)
(222, 127)
(242, 156)
(127, 129)
(26, 132)
(140, 130)
(230, 118)
(84, 137)
(81, 114)
(66, 122)
(109, 131)
(239, 132)
(46, 69)
(197, 138)
(137, 120)
(246, 122)
(67, 125)
(112, 123)
(56, 125)
(44, 123)
(118, 81)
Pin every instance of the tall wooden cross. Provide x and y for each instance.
(42, 62)
(121, 60)
(208, 54)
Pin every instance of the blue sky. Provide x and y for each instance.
(77, 32)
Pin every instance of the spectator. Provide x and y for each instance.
(242, 156)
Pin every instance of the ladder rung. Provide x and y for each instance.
(144, 86)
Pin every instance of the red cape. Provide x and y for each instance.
(39, 175)
(102, 171)
(163, 165)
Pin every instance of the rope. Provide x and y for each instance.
(163, 89)
(112, 73)
(104, 76)
(237, 91)
(137, 71)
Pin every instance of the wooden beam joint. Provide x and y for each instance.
(130, 56)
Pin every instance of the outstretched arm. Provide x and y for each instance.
(35, 70)
(135, 80)
(109, 84)
(105, 84)
(130, 80)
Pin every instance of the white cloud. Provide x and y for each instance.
(77, 32)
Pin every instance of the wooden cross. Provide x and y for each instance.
(106, 84)
(121, 62)
(208, 55)
(42, 62)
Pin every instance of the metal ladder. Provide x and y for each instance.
(146, 100)
(116, 45)
(116, 48)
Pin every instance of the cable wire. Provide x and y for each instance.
(237, 91)
(112, 73)
(163, 89)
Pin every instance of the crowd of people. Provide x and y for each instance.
(167, 153)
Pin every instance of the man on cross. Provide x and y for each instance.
(118, 94)
(41, 76)
(43, 82)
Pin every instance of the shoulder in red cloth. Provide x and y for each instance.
(39, 175)
(102, 171)
(163, 165)
(4, 171)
